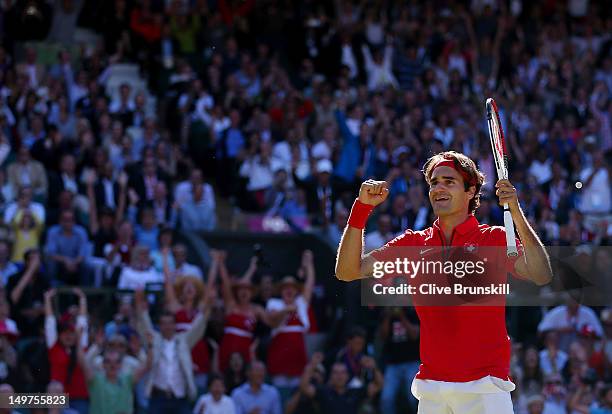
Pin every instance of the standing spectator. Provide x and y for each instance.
(182, 296)
(596, 202)
(335, 396)
(28, 172)
(215, 401)
(378, 67)
(25, 291)
(140, 272)
(229, 145)
(67, 248)
(288, 317)
(110, 391)
(171, 383)
(184, 190)
(62, 342)
(400, 333)
(197, 214)
(255, 396)
(181, 266)
(568, 320)
(241, 314)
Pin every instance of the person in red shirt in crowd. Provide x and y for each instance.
(182, 298)
(62, 341)
(241, 314)
(289, 319)
(465, 350)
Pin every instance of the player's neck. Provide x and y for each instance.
(449, 222)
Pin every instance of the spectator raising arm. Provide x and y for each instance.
(50, 322)
(31, 270)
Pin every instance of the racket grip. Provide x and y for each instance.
(511, 249)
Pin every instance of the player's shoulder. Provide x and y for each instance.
(410, 237)
(495, 235)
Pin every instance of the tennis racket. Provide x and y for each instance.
(496, 133)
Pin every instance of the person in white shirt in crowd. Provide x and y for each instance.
(568, 320)
(596, 196)
(24, 202)
(140, 272)
(197, 214)
(379, 67)
(259, 170)
(215, 401)
(183, 192)
(181, 267)
(171, 384)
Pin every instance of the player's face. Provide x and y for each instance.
(447, 193)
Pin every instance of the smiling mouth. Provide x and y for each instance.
(441, 198)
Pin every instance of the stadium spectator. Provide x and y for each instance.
(241, 314)
(140, 271)
(215, 401)
(400, 332)
(171, 383)
(255, 394)
(25, 292)
(110, 389)
(568, 320)
(289, 319)
(28, 172)
(336, 396)
(67, 250)
(62, 340)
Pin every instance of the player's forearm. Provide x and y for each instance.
(536, 257)
(348, 261)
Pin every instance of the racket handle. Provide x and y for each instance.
(511, 249)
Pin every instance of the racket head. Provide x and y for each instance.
(496, 135)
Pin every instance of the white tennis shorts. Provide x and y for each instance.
(488, 395)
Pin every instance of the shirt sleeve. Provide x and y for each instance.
(50, 331)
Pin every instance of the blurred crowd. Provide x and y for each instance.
(276, 111)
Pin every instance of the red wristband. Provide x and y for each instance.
(359, 214)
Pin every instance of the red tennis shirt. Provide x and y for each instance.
(460, 343)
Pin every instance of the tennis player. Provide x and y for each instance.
(465, 350)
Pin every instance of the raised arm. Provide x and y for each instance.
(351, 263)
(146, 365)
(306, 388)
(33, 266)
(50, 322)
(226, 284)
(251, 270)
(535, 263)
(82, 318)
(309, 270)
(172, 303)
(145, 326)
(84, 362)
(195, 333)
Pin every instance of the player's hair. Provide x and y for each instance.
(462, 163)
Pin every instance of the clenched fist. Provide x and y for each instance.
(373, 192)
